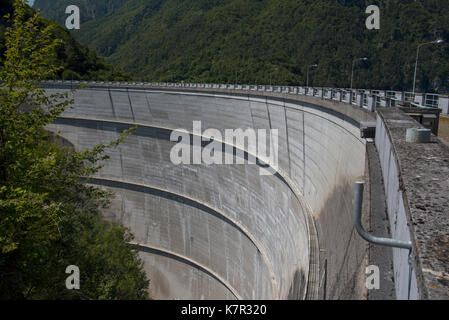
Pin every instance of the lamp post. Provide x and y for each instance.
(236, 75)
(271, 74)
(417, 55)
(314, 66)
(353, 63)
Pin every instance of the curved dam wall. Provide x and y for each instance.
(225, 231)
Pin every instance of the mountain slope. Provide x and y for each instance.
(261, 40)
(78, 61)
(89, 9)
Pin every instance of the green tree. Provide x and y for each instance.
(49, 217)
(78, 60)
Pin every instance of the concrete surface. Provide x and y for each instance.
(379, 226)
(225, 232)
(416, 178)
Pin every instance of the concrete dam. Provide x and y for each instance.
(226, 231)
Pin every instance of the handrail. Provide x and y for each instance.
(345, 95)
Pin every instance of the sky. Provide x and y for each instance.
(30, 2)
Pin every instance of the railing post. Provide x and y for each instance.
(400, 96)
(359, 100)
(347, 98)
(338, 95)
(443, 104)
(372, 102)
(419, 98)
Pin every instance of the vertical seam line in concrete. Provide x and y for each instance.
(148, 103)
(268, 113)
(303, 153)
(251, 112)
(121, 165)
(288, 143)
(112, 103)
(131, 105)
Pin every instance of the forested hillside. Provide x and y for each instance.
(89, 9)
(78, 61)
(253, 41)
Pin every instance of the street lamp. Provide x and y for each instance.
(314, 66)
(353, 63)
(236, 74)
(275, 69)
(417, 55)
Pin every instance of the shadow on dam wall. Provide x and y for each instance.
(225, 231)
(342, 251)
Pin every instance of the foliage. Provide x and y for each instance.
(49, 217)
(89, 9)
(79, 62)
(246, 40)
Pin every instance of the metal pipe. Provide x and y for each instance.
(388, 242)
(358, 199)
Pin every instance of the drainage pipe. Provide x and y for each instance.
(358, 199)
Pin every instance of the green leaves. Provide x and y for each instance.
(78, 61)
(49, 218)
(30, 49)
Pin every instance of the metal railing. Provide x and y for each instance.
(431, 100)
(409, 96)
(358, 97)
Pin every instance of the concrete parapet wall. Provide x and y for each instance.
(416, 185)
(224, 231)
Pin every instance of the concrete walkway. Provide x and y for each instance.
(379, 226)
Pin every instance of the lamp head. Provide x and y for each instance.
(438, 41)
(365, 58)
